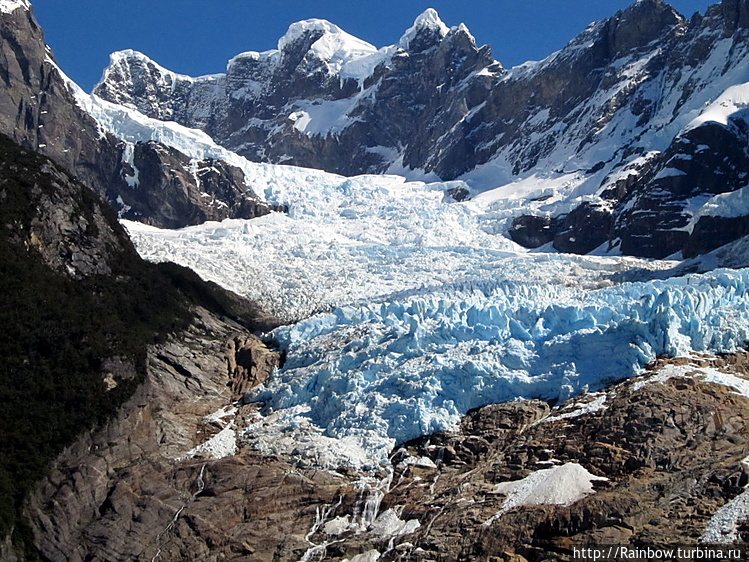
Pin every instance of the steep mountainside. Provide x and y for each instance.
(78, 311)
(614, 130)
(152, 182)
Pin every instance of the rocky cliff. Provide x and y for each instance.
(87, 326)
(38, 110)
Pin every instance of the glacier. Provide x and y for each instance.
(382, 374)
(406, 309)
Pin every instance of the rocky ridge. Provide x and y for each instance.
(609, 114)
(150, 182)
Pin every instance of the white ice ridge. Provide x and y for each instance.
(382, 373)
(10, 6)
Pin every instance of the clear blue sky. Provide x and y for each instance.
(197, 37)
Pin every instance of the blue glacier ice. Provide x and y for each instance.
(384, 373)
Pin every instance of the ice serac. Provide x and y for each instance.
(381, 374)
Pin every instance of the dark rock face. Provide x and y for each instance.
(114, 494)
(171, 191)
(584, 229)
(88, 327)
(250, 363)
(49, 212)
(655, 220)
(534, 231)
(38, 110)
(711, 233)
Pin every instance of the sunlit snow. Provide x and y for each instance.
(558, 485)
(10, 6)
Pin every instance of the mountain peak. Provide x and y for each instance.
(333, 35)
(10, 6)
(301, 28)
(341, 52)
(430, 20)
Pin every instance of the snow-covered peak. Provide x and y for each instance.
(344, 54)
(122, 62)
(10, 6)
(129, 55)
(334, 34)
(429, 19)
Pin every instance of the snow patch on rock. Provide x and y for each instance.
(723, 525)
(389, 524)
(223, 444)
(10, 6)
(593, 402)
(558, 485)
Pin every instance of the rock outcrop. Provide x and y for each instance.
(121, 492)
(250, 363)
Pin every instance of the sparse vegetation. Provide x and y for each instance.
(56, 332)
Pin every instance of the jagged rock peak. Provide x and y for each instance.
(645, 8)
(630, 29)
(733, 14)
(10, 6)
(640, 24)
(130, 56)
(129, 65)
(430, 21)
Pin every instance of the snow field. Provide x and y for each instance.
(558, 485)
(10, 6)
